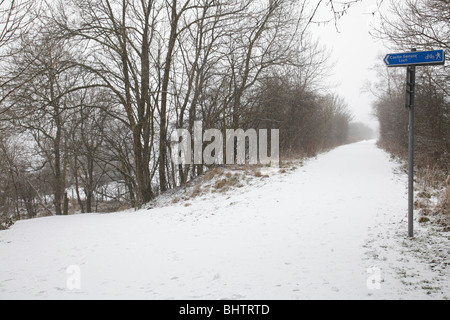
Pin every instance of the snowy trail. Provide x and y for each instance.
(310, 234)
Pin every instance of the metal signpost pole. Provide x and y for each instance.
(410, 101)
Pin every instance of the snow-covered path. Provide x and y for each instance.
(310, 234)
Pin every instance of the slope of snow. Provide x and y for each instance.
(333, 229)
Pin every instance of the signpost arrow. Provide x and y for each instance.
(422, 58)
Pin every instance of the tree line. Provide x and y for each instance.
(421, 25)
(91, 91)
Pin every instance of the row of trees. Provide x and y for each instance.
(308, 122)
(421, 24)
(91, 91)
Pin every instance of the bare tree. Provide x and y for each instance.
(423, 25)
(19, 191)
(119, 35)
(419, 24)
(86, 141)
(46, 72)
(14, 18)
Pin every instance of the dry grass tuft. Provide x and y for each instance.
(212, 173)
(220, 184)
(430, 184)
(257, 173)
(443, 206)
(197, 191)
(230, 181)
(424, 220)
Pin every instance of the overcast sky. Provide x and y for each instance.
(354, 52)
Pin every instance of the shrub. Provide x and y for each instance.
(5, 223)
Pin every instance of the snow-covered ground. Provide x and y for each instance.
(335, 228)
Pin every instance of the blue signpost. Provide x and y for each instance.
(423, 58)
(411, 60)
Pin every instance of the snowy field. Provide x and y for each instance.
(335, 228)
